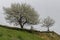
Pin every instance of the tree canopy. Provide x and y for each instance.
(20, 14)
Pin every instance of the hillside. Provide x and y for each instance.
(7, 33)
(49, 35)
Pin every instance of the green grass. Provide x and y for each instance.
(9, 34)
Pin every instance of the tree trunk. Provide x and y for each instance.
(21, 26)
(21, 22)
(48, 29)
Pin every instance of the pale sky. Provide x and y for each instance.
(43, 7)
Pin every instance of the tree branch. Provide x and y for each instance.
(24, 23)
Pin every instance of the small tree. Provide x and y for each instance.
(20, 14)
(31, 27)
(48, 22)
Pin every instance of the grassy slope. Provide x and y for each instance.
(9, 34)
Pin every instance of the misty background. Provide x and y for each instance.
(43, 7)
